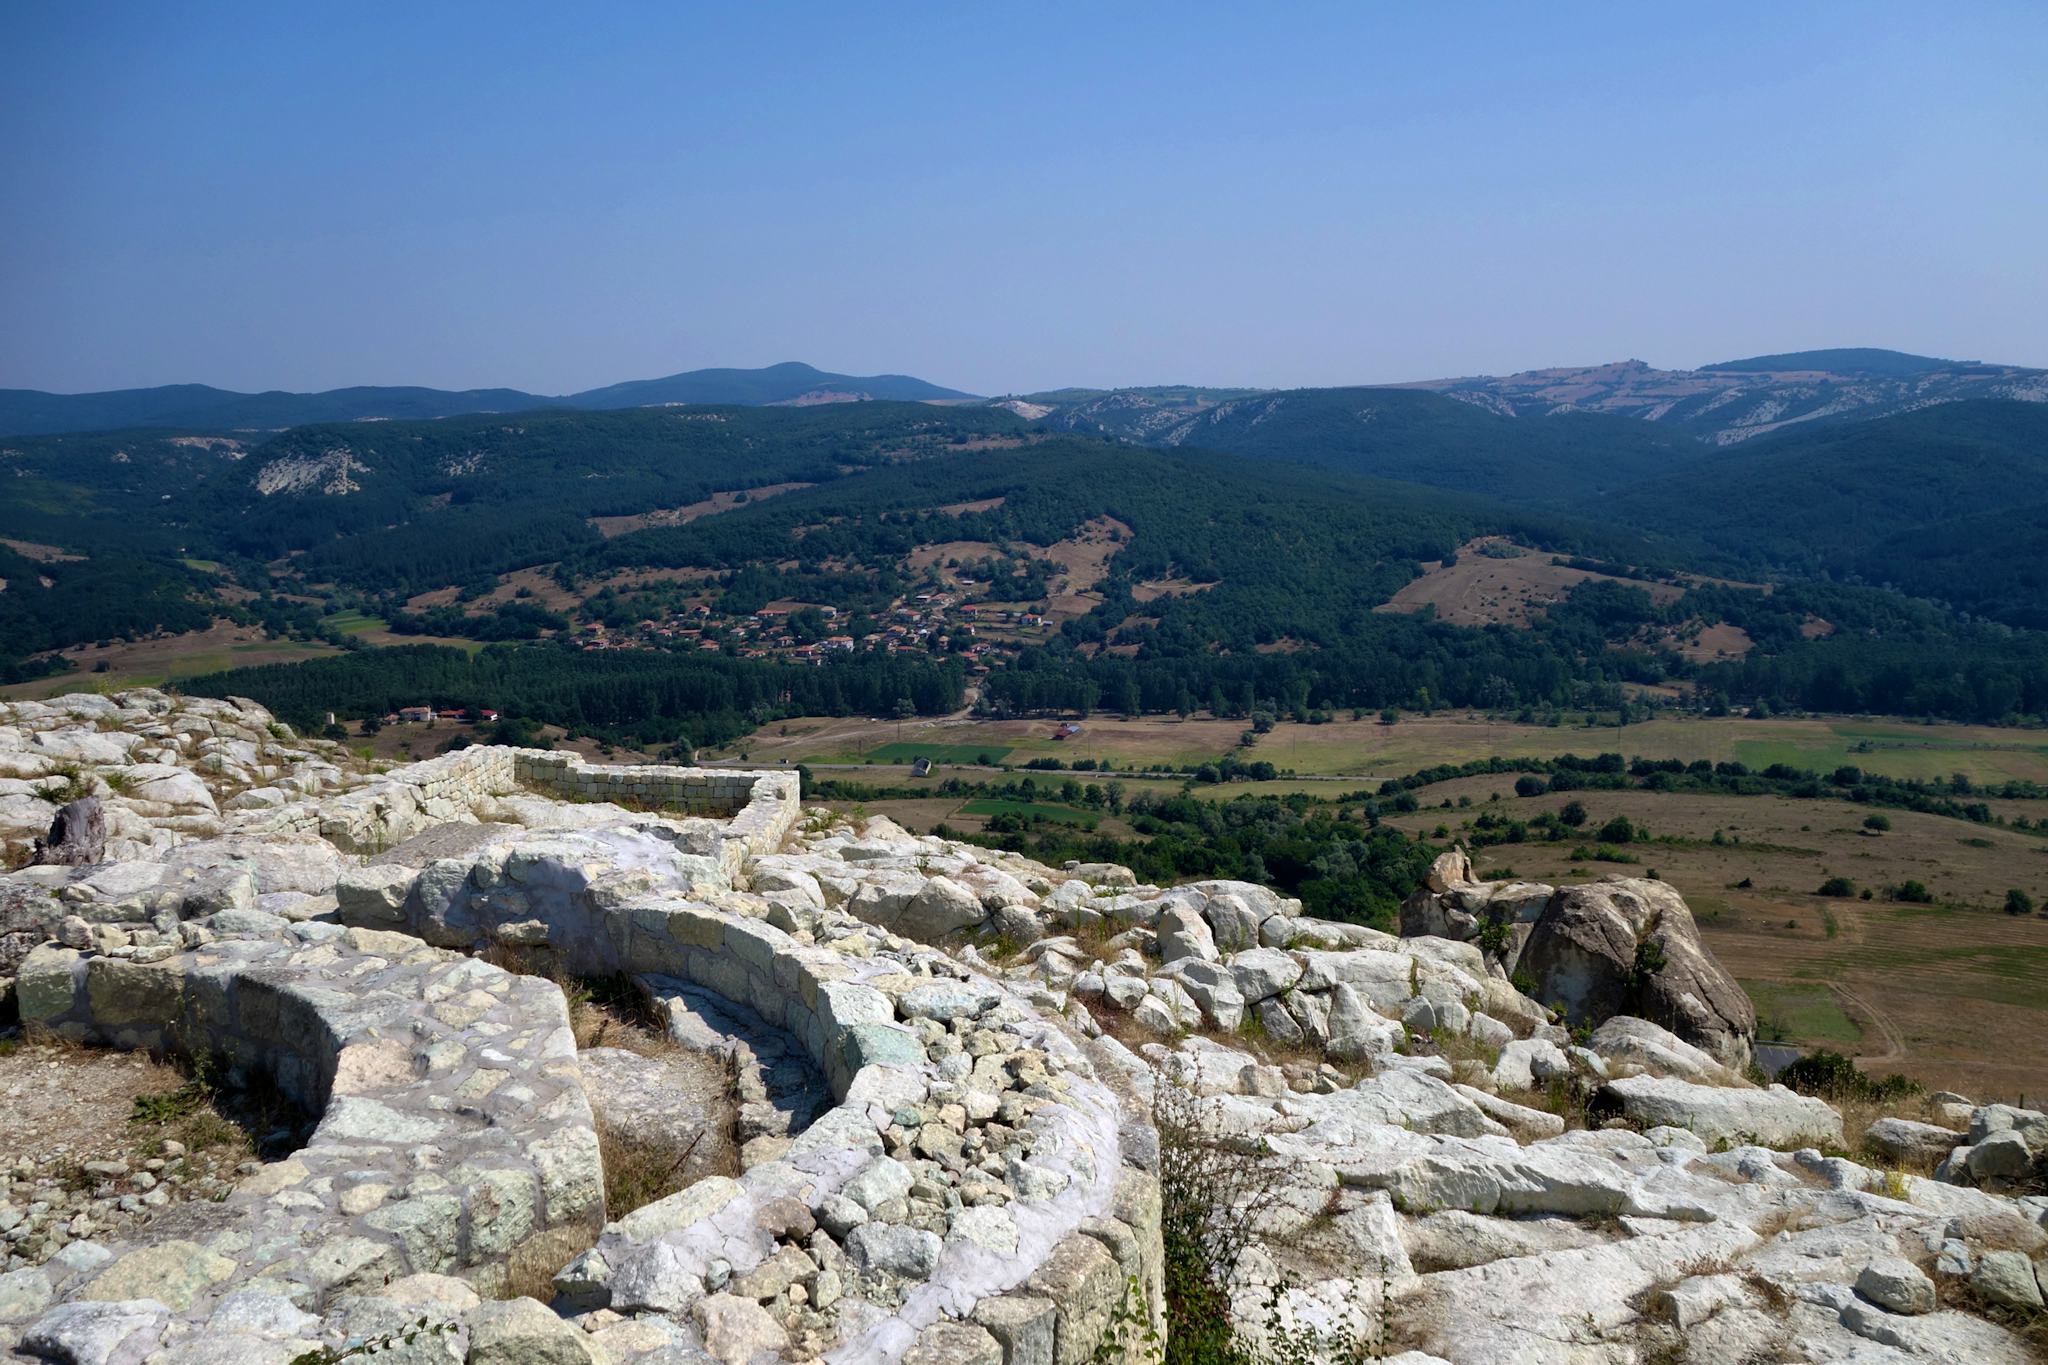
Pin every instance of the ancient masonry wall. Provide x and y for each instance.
(760, 808)
(453, 1127)
(1089, 1247)
(454, 1131)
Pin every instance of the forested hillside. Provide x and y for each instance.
(1947, 502)
(650, 700)
(687, 572)
(1425, 438)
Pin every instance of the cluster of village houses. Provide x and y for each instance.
(427, 715)
(913, 623)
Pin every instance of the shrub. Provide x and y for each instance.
(1831, 1076)
(1837, 886)
(1617, 831)
(1211, 1197)
(2018, 902)
(1876, 824)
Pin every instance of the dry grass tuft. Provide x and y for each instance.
(637, 1173)
(529, 1273)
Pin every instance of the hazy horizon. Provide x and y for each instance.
(512, 196)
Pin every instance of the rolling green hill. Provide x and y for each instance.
(1841, 360)
(1214, 580)
(1420, 437)
(1917, 500)
(783, 383)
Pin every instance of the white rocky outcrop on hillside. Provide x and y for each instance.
(961, 1067)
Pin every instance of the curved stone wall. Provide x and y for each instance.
(1026, 1193)
(883, 1029)
(453, 1125)
(969, 1196)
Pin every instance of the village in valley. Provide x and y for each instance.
(926, 621)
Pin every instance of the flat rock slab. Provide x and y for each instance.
(454, 840)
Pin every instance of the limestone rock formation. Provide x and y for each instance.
(1630, 946)
(957, 1090)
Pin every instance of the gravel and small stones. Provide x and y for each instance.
(78, 1169)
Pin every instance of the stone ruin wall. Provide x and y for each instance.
(401, 1048)
(760, 807)
(1695, 1216)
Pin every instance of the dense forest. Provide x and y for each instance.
(1283, 555)
(1338, 858)
(1426, 438)
(651, 701)
(1898, 502)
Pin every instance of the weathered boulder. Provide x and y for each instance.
(1450, 869)
(2007, 1278)
(943, 906)
(298, 862)
(1895, 1283)
(1630, 946)
(374, 897)
(1905, 1141)
(1263, 972)
(77, 837)
(526, 1332)
(1628, 1040)
(1432, 913)
(1184, 933)
(1527, 1063)
(1213, 987)
(1355, 1031)
(1776, 1117)
(97, 1333)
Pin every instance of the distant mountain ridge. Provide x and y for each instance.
(32, 412)
(1722, 404)
(1739, 400)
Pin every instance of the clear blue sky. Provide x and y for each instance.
(1008, 197)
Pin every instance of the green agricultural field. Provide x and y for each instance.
(1924, 751)
(1800, 1012)
(357, 623)
(1985, 753)
(1065, 815)
(938, 753)
(1324, 758)
(374, 630)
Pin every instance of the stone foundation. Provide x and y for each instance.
(453, 1124)
(759, 808)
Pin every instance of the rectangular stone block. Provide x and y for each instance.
(1022, 1325)
(1084, 1283)
(756, 942)
(122, 993)
(49, 983)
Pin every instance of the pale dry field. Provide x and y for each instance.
(1482, 590)
(609, 527)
